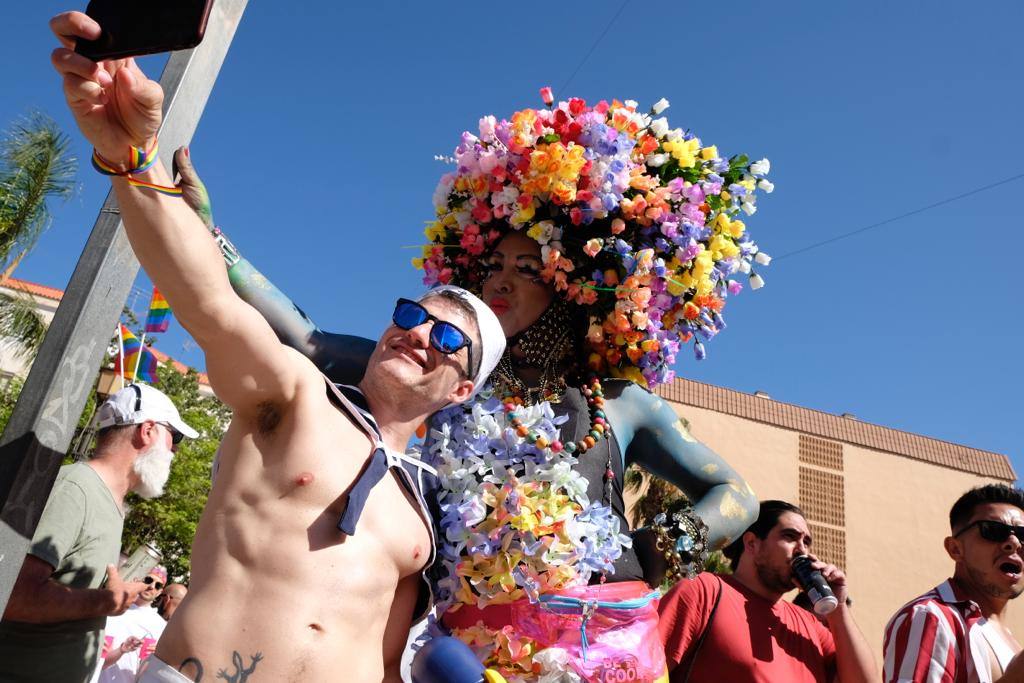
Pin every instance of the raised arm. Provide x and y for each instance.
(117, 107)
(652, 436)
(341, 357)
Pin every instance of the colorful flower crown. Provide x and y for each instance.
(636, 221)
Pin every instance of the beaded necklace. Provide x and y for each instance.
(599, 427)
(547, 345)
(550, 388)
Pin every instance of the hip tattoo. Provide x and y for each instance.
(241, 673)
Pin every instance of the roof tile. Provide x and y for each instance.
(836, 427)
(57, 294)
(33, 288)
(162, 357)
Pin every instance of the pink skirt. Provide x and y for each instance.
(603, 632)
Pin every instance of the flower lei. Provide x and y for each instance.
(520, 659)
(636, 221)
(515, 516)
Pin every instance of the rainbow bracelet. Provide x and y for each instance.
(140, 161)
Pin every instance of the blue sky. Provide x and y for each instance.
(319, 138)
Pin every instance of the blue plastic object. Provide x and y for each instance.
(445, 659)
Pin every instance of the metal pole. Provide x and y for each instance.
(43, 420)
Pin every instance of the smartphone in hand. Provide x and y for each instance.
(141, 27)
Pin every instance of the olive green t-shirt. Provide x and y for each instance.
(79, 534)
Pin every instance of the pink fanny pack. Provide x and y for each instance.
(604, 632)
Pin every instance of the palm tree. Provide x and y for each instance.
(21, 324)
(35, 166)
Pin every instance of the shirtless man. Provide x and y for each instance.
(278, 592)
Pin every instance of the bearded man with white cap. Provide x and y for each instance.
(53, 625)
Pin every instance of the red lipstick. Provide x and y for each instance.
(499, 305)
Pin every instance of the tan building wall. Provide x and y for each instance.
(880, 514)
(46, 300)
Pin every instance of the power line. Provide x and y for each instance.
(593, 47)
(134, 294)
(858, 231)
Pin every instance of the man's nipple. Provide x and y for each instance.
(304, 479)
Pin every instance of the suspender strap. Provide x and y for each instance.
(371, 474)
(704, 633)
(380, 461)
(355, 413)
(360, 491)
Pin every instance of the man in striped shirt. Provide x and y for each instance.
(955, 633)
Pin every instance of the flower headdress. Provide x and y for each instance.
(637, 222)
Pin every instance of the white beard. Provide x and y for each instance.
(153, 467)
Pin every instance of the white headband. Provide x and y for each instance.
(492, 337)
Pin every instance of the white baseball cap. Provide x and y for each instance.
(137, 403)
(492, 337)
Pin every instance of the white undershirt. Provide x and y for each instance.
(1003, 650)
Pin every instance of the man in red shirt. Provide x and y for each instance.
(738, 628)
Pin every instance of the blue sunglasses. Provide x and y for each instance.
(444, 336)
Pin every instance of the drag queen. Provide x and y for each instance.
(606, 242)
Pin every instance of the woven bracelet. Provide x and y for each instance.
(140, 161)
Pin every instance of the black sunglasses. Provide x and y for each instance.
(176, 436)
(994, 531)
(156, 584)
(444, 336)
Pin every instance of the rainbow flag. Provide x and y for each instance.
(159, 316)
(132, 348)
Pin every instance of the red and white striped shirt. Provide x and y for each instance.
(929, 640)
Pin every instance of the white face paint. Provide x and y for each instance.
(153, 467)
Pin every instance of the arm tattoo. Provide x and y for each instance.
(240, 675)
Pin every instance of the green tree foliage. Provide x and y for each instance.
(22, 323)
(35, 165)
(717, 563)
(656, 495)
(8, 397)
(169, 522)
